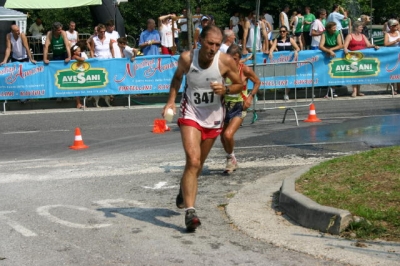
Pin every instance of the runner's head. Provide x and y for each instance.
(211, 40)
(236, 52)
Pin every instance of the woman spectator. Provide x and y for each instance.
(346, 26)
(354, 42)
(392, 39)
(284, 43)
(101, 45)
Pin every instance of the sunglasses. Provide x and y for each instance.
(281, 31)
(395, 25)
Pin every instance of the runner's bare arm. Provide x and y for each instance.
(229, 70)
(183, 67)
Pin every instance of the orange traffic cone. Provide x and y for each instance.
(159, 126)
(78, 142)
(312, 116)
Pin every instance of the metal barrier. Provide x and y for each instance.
(286, 69)
(36, 44)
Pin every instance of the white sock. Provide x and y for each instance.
(190, 208)
(232, 155)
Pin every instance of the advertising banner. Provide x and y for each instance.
(153, 74)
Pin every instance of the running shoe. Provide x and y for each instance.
(191, 220)
(179, 200)
(231, 165)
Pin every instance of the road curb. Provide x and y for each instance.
(308, 213)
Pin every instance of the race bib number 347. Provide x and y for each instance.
(203, 98)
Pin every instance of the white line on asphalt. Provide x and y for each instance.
(25, 161)
(45, 211)
(33, 131)
(160, 185)
(16, 226)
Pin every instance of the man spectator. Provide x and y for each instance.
(72, 34)
(56, 39)
(182, 24)
(202, 110)
(197, 31)
(150, 39)
(113, 35)
(89, 40)
(36, 29)
(166, 34)
(269, 18)
(17, 44)
(249, 37)
(308, 20)
(317, 29)
(197, 17)
(234, 24)
(283, 18)
(228, 40)
(336, 17)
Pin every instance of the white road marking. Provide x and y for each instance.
(160, 185)
(45, 212)
(16, 226)
(34, 131)
(110, 203)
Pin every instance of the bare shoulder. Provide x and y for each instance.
(185, 60)
(226, 59)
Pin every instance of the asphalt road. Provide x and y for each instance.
(114, 203)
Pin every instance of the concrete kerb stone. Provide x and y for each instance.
(308, 213)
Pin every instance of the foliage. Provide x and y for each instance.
(136, 12)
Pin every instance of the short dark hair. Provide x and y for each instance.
(110, 23)
(122, 40)
(56, 26)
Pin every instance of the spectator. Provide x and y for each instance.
(346, 27)
(165, 29)
(354, 42)
(196, 39)
(331, 40)
(84, 48)
(283, 18)
(57, 40)
(197, 16)
(234, 24)
(336, 17)
(72, 34)
(36, 29)
(365, 20)
(269, 19)
(317, 29)
(268, 31)
(101, 45)
(308, 20)
(113, 35)
(176, 32)
(88, 41)
(150, 39)
(291, 22)
(251, 39)
(17, 46)
(284, 43)
(126, 51)
(298, 29)
(227, 41)
(241, 25)
(386, 27)
(182, 24)
(392, 39)
(76, 53)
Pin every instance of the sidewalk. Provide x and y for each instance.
(252, 211)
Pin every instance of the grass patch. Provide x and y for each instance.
(366, 184)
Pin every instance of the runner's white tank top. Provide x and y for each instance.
(199, 103)
(102, 49)
(18, 50)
